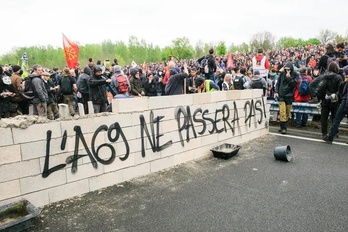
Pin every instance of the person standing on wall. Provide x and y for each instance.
(97, 86)
(284, 92)
(40, 93)
(209, 74)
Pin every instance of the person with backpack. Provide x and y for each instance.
(302, 94)
(284, 92)
(39, 92)
(342, 110)
(119, 85)
(208, 65)
(239, 80)
(257, 82)
(67, 87)
(326, 89)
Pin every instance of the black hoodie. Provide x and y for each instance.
(286, 85)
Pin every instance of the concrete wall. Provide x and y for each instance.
(49, 162)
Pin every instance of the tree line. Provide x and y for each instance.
(140, 51)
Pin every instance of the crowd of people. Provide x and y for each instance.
(302, 74)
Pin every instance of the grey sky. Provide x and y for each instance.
(42, 22)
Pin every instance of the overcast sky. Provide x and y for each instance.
(42, 22)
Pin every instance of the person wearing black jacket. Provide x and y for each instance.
(211, 64)
(285, 93)
(97, 85)
(175, 84)
(83, 88)
(329, 53)
(326, 87)
(150, 85)
(340, 114)
(7, 92)
(52, 107)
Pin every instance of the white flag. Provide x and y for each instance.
(134, 64)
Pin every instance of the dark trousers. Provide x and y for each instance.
(338, 118)
(84, 100)
(327, 107)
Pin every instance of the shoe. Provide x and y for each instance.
(284, 131)
(280, 130)
(329, 141)
(325, 138)
(298, 126)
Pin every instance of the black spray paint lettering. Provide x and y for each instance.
(250, 109)
(93, 155)
(186, 121)
(154, 141)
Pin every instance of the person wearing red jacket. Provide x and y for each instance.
(302, 118)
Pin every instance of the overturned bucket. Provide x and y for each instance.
(283, 153)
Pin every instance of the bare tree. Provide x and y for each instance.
(264, 40)
(326, 36)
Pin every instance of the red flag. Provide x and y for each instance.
(71, 51)
(230, 63)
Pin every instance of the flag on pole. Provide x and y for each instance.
(24, 65)
(230, 63)
(71, 51)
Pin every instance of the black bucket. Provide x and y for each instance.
(283, 153)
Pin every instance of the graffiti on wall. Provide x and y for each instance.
(190, 125)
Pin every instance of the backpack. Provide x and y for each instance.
(238, 82)
(122, 84)
(27, 88)
(303, 88)
(204, 64)
(257, 84)
(65, 86)
(320, 91)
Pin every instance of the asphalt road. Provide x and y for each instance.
(249, 192)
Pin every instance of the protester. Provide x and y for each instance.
(136, 84)
(205, 86)
(257, 82)
(327, 86)
(40, 93)
(83, 88)
(176, 80)
(284, 92)
(7, 92)
(150, 85)
(67, 87)
(340, 114)
(97, 85)
(227, 84)
(52, 106)
(300, 95)
(211, 65)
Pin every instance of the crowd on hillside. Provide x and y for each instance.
(286, 75)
